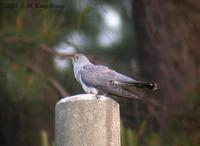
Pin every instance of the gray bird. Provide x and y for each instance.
(97, 79)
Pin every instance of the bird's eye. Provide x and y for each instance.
(75, 58)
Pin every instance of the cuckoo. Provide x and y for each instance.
(99, 79)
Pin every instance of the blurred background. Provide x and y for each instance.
(149, 40)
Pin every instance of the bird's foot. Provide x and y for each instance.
(98, 96)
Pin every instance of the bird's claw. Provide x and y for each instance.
(98, 96)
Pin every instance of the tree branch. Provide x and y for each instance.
(50, 51)
(55, 84)
(50, 79)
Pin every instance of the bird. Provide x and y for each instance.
(99, 79)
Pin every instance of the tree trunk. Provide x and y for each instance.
(168, 37)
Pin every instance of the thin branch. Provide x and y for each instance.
(57, 86)
(50, 79)
(50, 51)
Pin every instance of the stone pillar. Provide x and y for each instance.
(83, 120)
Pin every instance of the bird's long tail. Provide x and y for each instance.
(144, 85)
(124, 89)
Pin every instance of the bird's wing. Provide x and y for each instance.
(98, 75)
(106, 80)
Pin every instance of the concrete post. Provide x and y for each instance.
(83, 120)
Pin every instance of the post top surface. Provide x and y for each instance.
(82, 97)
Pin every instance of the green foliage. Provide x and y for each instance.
(133, 137)
(154, 139)
(44, 138)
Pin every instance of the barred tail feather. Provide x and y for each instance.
(146, 85)
(142, 84)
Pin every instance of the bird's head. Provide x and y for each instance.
(80, 59)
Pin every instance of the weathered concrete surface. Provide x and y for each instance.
(83, 120)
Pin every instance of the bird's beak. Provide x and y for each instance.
(69, 56)
(65, 55)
